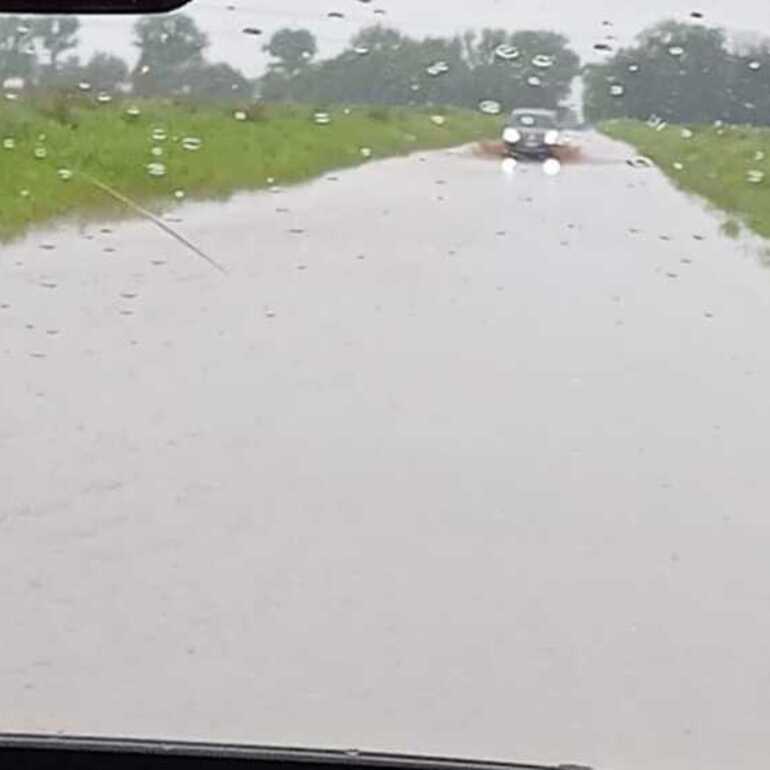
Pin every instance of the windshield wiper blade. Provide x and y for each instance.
(76, 752)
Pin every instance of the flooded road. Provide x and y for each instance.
(451, 461)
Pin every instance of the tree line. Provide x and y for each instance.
(38, 53)
(683, 73)
(674, 71)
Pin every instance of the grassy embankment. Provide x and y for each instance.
(284, 144)
(729, 166)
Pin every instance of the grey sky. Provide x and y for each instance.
(580, 21)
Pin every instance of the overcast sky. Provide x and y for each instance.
(580, 21)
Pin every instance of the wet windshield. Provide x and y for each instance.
(337, 411)
(532, 119)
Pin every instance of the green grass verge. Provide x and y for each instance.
(106, 142)
(729, 165)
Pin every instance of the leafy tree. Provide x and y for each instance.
(292, 48)
(57, 34)
(384, 66)
(170, 49)
(105, 72)
(678, 72)
(218, 83)
(17, 52)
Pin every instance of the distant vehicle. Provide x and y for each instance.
(532, 133)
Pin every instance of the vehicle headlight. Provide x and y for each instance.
(551, 137)
(511, 135)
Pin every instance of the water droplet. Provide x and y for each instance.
(9, 143)
(322, 118)
(633, 68)
(542, 61)
(133, 111)
(103, 97)
(252, 31)
(11, 97)
(534, 80)
(64, 174)
(506, 52)
(755, 176)
(437, 68)
(361, 50)
(640, 161)
(490, 107)
(24, 193)
(40, 153)
(366, 152)
(759, 155)
(686, 133)
(159, 135)
(156, 152)
(617, 90)
(84, 85)
(677, 165)
(551, 167)
(676, 50)
(754, 65)
(438, 120)
(145, 68)
(335, 15)
(179, 194)
(191, 143)
(240, 115)
(156, 169)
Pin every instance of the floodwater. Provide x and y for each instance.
(452, 461)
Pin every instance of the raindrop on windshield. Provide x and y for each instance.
(633, 68)
(252, 31)
(103, 97)
(534, 80)
(617, 90)
(64, 174)
(366, 152)
(239, 115)
(336, 15)
(179, 194)
(159, 135)
(361, 50)
(156, 152)
(322, 118)
(9, 143)
(437, 68)
(191, 143)
(754, 65)
(686, 133)
(676, 50)
(156, 169)
(40, 152)
(133, 112)
(506, 52)
(755, 176)
(84, 86)
(542, 61)
(490, 107)
(438, 120)
(640, 161)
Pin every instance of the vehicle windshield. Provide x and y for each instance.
(532, 119)
(337, 410)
